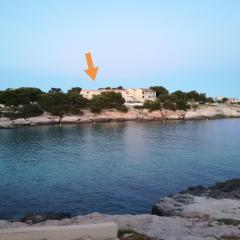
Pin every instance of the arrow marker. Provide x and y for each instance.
(91, 71)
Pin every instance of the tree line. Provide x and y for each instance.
(177, 100)
(30, 102)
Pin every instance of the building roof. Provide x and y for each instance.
(84, 90)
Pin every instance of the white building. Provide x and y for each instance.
(89, 93)
(233, 100)
(218, 99)
(142, 94)
(138, 95)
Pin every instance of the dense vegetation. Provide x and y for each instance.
(30, 102)
(107, 100)
(178, 100)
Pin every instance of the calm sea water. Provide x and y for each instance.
(112, 167)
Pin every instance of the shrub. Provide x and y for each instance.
(182, 105)
(96, 109)
(160, 90)
(138, 107)
(169, 105)
(76, 90)
(28, 110)
(152, 105)
(122, 108)
(107, 100)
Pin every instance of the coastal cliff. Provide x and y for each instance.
(201, 113)
(197, 213)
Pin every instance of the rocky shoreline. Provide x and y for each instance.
(201, 113)
(197, 213)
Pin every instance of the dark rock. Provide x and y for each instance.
(228, 189)
(196, 191)
(102, 120)
(33, 218)
(228, 186)
(157, 211)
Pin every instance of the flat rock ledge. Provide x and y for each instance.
(197, 213)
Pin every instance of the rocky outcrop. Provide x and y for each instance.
(213, 112)
(21, 122)
(203, 112)
(222, 199)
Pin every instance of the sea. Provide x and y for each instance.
(113, 168)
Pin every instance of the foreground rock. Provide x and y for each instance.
(168, 228)
(220, 200)
(203, 112)
(191, 215)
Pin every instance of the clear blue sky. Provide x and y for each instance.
(136, 43)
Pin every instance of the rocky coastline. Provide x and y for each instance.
(197, 213)
(205, 112)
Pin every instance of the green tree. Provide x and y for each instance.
(152, 105)
(194, 96)
(55, 90)
(107, 100)
(210, 100)
(61, 103)
(160, 90)
(119, 88)
(182, 104)
(224, 100)
(169, 105)
(75, 90)
(20, 96)
(180, 95)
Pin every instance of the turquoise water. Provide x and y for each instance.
(112, 167)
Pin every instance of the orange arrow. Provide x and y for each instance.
(91, 71)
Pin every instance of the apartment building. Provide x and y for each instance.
(130, 95)
(89, 93)
(142, 94)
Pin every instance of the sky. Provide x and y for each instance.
(182, 45)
